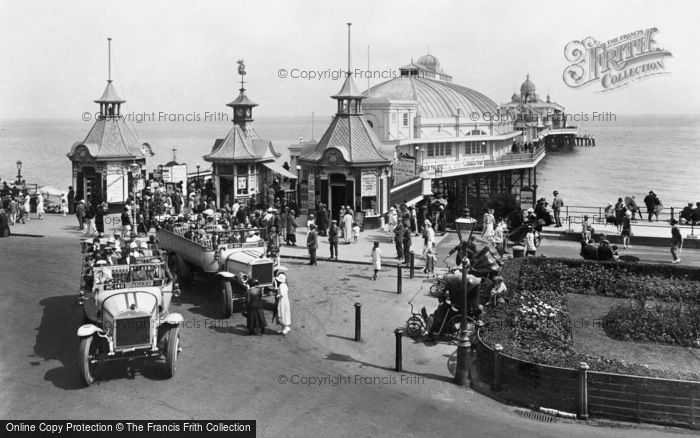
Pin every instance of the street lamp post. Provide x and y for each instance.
(135, 173)
(197, 173)
(19, 170)
(464, 225)
(298, 187)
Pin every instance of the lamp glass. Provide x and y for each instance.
(19, 164)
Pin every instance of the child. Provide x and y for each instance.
(376, 259)
(626, 230)
(499, 287)
(355, 232)
(430, 263)
(616, 255)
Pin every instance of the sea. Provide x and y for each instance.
(633, 154)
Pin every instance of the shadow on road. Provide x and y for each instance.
(56, 339)
(345, 358)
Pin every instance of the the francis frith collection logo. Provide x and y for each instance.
(615, 63)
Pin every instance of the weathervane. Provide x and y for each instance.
(241, 70)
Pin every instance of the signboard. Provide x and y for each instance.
(527, 198)
(311, 202)
(404, 169)
(242, 185)
(123, 285)
(116, 184)
(178, 173)
(369, 183)
(446, 165)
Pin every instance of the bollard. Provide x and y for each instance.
(399, 356)
(398, 279)
(497, 368)
(583, 391)
(672, 213)
(358, 321)
(413, 264)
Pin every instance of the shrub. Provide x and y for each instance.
(674, 325)
(534, 322)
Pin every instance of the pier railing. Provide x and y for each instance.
(572, 217)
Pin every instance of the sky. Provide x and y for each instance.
(179, 57)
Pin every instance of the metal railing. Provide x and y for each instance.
(505, 160)
(572, 217)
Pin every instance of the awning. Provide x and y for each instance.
(277, 168)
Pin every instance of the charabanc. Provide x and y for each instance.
(126, 311)
(229, 257)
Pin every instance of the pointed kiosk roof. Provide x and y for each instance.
(110, 95)
(236, 146)
(242, 100)
(350, 134)
(110, 138)
(349, 90)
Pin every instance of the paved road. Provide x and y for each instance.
(224, 374)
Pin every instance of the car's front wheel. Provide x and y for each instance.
(226, 298)
(172, 350)
(89, 350)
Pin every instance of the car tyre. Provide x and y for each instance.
(89, 349)
(226, 298)
(172, 352)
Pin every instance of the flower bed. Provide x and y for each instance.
(618, 280)
(534, 323)
(676, 325)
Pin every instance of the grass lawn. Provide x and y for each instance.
(587, 312)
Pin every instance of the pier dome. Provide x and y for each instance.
(435, 98)
(430, 62)
(527, 87)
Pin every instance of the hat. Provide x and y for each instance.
(427, 222)
(610, 203)
(556, 192)
(269, 209)
(334, 221)
(281, 277)
(311, 215)
(628, 213)
(111, 240)
(133, 245)
(82, 201)
(392, 209)
(143, 245)
(530, 210)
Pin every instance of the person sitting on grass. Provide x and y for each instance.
(499, 287)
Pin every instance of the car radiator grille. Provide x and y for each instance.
(131, 332)
(263, 273)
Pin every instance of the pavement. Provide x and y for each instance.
(316, 381)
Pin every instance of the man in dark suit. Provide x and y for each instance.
(312, 244)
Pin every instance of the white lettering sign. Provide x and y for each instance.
(369, 183)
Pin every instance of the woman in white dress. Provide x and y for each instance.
(26, 206)
(284, 314)
(40, 206)
(347, 226)
(392, 222)
(489, 219)
(64, 204)
(376, 259)
(429, 239)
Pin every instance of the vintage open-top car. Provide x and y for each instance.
(126, 313)
(230, 258)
